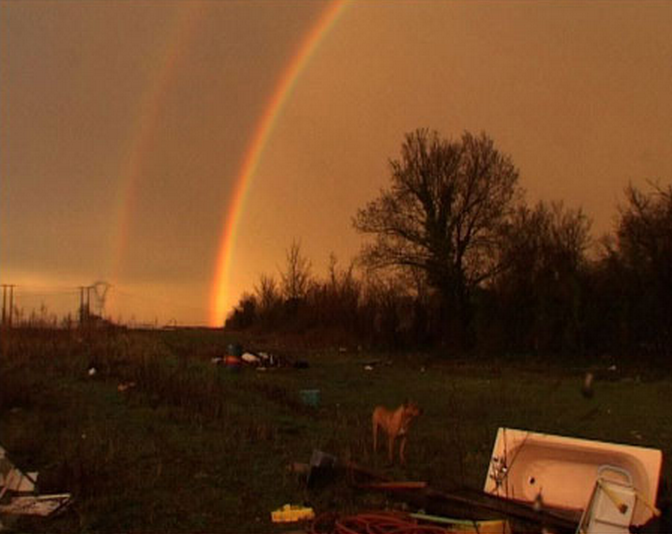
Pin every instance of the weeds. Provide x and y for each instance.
(193, 447)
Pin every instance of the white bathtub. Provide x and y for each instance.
(564, 470)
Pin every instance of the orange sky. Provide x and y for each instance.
(166, 96)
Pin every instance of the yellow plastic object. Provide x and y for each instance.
(290, 513)
(494, 526)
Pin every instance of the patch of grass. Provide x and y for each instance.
(194, 447)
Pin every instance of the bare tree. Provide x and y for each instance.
(442, 214)
(547, 240)
(539, 286)
(645, 229)
(267, 293)
(296, 277)
(331, 269)
(644, 237)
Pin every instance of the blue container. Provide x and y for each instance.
(310, 397)
(234, 349)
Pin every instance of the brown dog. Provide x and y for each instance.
(395, 424)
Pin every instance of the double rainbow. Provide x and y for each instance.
(187, 17)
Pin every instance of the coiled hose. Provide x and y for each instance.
(372, 523)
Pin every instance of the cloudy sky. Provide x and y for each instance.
(125, 128)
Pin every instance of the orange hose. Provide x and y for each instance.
(374, 523)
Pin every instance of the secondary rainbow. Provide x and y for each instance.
(254, 152)
(151, 104)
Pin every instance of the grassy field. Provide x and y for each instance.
(194, 447)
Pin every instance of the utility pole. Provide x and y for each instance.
(5, 315)
(81, 305)
(11, 304)
(84, 304)
(4, 303)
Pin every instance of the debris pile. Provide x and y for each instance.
(535, 483)
(18, 493)
(236, 357)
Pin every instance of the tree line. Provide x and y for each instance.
(455, 257)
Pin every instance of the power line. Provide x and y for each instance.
(45, 289)
(100, 293)
(30, 295)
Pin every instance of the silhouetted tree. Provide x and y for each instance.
(268, 296)
(642, 263)
(645, 231)
(296, 277)
(336, 299)
(442, 214)
(244, 314)
(540, 285)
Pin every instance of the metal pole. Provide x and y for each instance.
(11, 304)
(4, 304)
(81, 305)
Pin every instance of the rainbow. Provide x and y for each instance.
(151, 105)
(254, 152)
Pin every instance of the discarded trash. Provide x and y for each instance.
(535, 482)
(480, 508)
(386, 521)
(299, 468)
(248, 357)
(234, 349)
(310, 397)
(322, 468)
(611, 504)
(565, 470)
(232, 363)
(261, 358)
(375, 363)
(290, 513)
(12, 479)
(92, 371)
(125, 385)
(368, 367)
(466, 526)
(322, 459)
(474, 504)
(587, 387)
(42, 505)
(401, 485)
(15, 480)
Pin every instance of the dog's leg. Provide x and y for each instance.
(402, 449)
(390, 447)
(374, 426)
